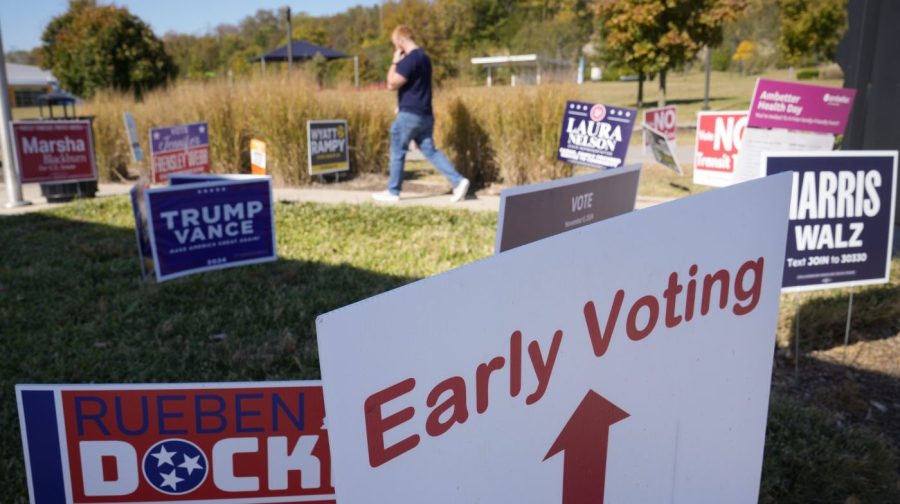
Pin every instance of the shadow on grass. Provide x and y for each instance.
(823, 320)
(74, 310)
(833, 435)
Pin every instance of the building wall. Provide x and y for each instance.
(23, 96)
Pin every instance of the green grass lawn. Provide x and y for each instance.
(74, 309)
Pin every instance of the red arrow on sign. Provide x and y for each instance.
(585, 439)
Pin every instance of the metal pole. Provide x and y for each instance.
(797, 342)
(290, 44)
(847, 328)
(263, 65)
(356, 71)
(706, 82)
(10, 173)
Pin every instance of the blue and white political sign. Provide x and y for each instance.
(210, 225)
(228, 443)
(841, 217)
(595, 135)
(194, 178)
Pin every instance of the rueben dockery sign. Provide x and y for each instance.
(229, 443)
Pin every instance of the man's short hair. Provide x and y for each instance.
(403, 31)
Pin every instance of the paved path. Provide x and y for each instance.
(481, 202)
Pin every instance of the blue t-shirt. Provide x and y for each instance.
(415, 95)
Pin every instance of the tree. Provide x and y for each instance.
(93, 47)
(811, 29)
(654, 36)
(32, 57)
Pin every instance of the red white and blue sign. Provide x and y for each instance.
(595, 135)
(841, 217)
(210, 225)
(248, 443)
(179, 149)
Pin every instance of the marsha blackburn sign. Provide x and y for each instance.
(54, 151)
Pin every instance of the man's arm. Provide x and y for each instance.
(394, 79)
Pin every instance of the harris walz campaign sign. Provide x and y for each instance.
(210, 225)
(179, 149)
(328, 146)
(54, 151)
(206, 442)
(841, 217)
(595, 135)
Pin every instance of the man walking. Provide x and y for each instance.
(410, 75)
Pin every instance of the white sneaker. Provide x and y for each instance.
(459, 192)
(386, 196)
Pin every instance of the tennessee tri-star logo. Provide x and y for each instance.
(175, 466)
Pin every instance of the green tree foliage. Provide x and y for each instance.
(811, 29)
(452, 31)
(653, 36)
(93, 47)
(228, 47)
(758, 24)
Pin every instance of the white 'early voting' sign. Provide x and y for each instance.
(593, 365)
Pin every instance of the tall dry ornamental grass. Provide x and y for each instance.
(506, 135)
(274, 110)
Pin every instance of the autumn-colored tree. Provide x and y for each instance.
(655, 36)
(811, 29)
(93, 47)
(428, 29)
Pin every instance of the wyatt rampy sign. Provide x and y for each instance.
(841, 217)
(241, 443)
(217, 223)
(179, 149)
(595, 135)
(328, 146)
(54, 151)
(592, 366)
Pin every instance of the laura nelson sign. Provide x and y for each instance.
(595, 135)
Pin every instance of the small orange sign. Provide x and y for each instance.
(257, 157)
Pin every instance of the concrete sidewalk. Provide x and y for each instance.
(478, 203)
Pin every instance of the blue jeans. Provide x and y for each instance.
(408, 126)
